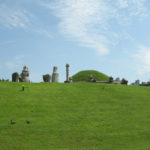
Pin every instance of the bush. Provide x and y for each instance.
(111, 79)
(124, 81)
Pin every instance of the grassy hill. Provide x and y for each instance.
(85, 76)
(76, 116)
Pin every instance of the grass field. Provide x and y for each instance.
(76, 116)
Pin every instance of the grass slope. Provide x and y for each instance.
(77, 116)
(85, 75)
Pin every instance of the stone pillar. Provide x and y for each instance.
(25, 74)
(15, 77)
(55, 75)
(67, 72)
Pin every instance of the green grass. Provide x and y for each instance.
(85, 76)
(76, 116)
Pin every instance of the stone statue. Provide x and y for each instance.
(15, 77)
(25, 75)
(47, 78)
(55, 75)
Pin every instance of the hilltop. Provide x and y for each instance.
(86, 74)
(75, 116)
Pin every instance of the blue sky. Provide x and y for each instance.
(111, 36)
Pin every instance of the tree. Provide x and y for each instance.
(47, 78)
(124, 81)
(111, 79)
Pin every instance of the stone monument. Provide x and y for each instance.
(117, 81)
(25, 75)
(55, 75)
(15, 77)
(67, 73)
(70, 80)
(137, 82)
(47, 78)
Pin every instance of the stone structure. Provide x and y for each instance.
(117, 81)
(15, 77)
(24, 77)
(137, 82)
(55, 75)
(47, 78)
(91, 78)
(70, 80)
(67, 73)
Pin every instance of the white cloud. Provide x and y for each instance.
(142, 58)
(16, 62)
(17, 17)
(13, 18)
(89, 21)
(133, 7)
(79, 19)
(123, 3)
(41, 31)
